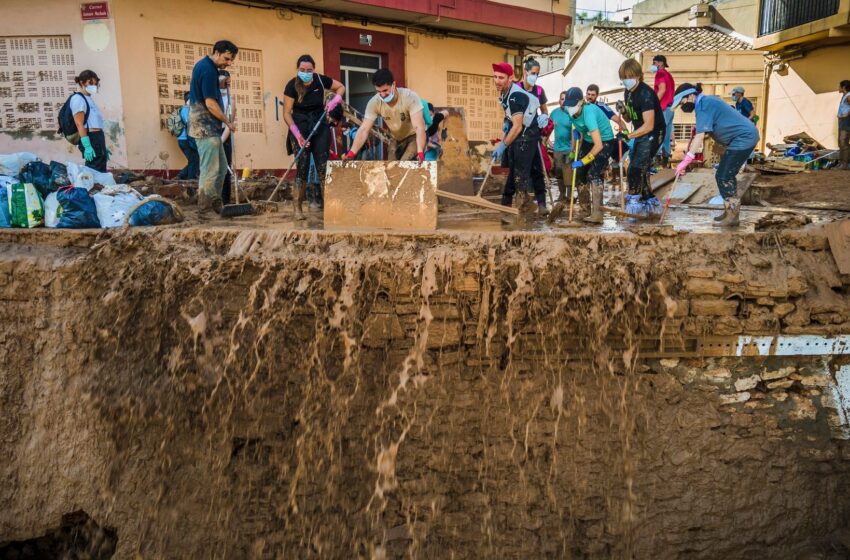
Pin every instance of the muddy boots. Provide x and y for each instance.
(729, 218)
(298, 199)
(595, 216)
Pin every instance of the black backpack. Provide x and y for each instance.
(67, 125)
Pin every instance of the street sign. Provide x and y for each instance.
(94, 10)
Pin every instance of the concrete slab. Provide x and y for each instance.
(396, 195)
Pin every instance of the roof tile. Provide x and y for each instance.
(631, 40)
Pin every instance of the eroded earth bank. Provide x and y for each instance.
(190, 393)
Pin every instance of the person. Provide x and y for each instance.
(664, 86)
(303, 108)
(596, 145)
(434, 147)
(187, 144)
(92, 139)
(206, 121)
(844, 124)
(562, 146)
(401, 110)
(530, 73)
(642, 109)
(744, 105)
(728, 128)
(228, 105)
(592, 96)
(522, 139)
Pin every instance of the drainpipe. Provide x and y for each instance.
(768, 71)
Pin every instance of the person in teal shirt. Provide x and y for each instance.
(562, 147)
(595, 146)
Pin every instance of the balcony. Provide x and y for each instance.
(786, 23)
(510, 22)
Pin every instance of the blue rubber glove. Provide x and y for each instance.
(578, 163)
(88, 151)
(108, 153)
(543, 120)
(499, 150)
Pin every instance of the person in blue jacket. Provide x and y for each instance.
(729, 128)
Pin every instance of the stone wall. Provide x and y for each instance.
(316, 395)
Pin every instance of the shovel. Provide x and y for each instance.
(233, 210)
(298, 154)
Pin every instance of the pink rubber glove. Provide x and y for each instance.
(293, 128)
(683, 166)
(336, 100)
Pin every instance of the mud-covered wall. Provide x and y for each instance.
(227, 394)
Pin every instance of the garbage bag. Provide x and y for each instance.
(5, 218)
(153, 213)
(26, 209)
(75, 169)
(11, 164)
(59, 175)
(38, 174)
(113, 203)
(78, 209)
(52, 210)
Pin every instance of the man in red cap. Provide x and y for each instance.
(521, 139)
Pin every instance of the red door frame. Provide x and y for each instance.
(389, 45)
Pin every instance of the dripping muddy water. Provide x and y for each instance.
(254, 394)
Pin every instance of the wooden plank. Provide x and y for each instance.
(683, 192)
(478, 201)
(838, 234)
(455, 173)
(663, 177)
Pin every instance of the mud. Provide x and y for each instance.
(829, 188)
(253, 392)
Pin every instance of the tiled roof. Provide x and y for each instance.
(557, 48)
(632, 40)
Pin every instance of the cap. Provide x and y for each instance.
(660, 57)
(738, 89)
(503, 68)
(574, 95)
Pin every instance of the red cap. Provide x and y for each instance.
(503, 68)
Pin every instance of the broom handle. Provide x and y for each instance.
(667, 202)
(298, 155)
(545, 173)
(575, 158)
(622, 183)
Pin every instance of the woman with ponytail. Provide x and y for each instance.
(728, 128)
(303, 106)
(89, 121)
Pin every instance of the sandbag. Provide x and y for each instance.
(113, 203)
(26, 208)
(5, 218)
(11, 164)
(38, 174)
(52, 210)
(154, 213)
(78, 209)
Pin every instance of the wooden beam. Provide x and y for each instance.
(478, 201)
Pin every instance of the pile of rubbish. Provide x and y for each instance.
(799, 152)
(56, 195)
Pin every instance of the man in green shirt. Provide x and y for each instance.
(562, 147)
(596, 145)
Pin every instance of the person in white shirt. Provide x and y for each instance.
(89, 121)
(229, 107)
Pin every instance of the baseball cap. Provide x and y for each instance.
(574, 95)
(738, 89)
(503, 68)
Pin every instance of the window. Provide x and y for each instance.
(778, 15)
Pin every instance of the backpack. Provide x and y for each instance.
(174, 123)
(67, 125)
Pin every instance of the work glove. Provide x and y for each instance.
(543, 120)
(499, 151)
(336, 100)
(88, 151)
(348, 155)
(420, 156)
(293, 128)
(583, 161)
(621, 107)
(682, 168)
(623, 136)
(108, 153)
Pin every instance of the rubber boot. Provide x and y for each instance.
(733, 208)
(595, 216)
(722, 216)
(298, 199)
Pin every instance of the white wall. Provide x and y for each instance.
(598, 64)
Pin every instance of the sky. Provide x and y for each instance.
(594, 6)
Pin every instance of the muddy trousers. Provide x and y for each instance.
(98, 144)
(523, 156)
(642, 153)
(213, 166)
(844, 145)
(228, 178)
(320, 146)
(727, 170)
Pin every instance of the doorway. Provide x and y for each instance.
(356, 70)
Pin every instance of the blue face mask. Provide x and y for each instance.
(305, 76)
(389, 98)
(629, 83)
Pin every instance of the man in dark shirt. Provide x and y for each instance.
(744, 105)
(206, 121)
(643, 110)
(521, 140)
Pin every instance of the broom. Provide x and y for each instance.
(233, 210)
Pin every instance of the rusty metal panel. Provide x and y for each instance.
(455, 163)
(395, 195)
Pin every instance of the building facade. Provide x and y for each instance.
(143, 51)
(808, 54)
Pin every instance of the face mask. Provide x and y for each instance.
(91, 89)
(653, 68)
(532, 79)
(389, 98)
(305, 76)
(688, 106)
(629, 83)
(573, 111)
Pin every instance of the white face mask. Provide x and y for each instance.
(532, 79)
(91, 89)
(573, 111)
(653, 68)
(629, 83)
